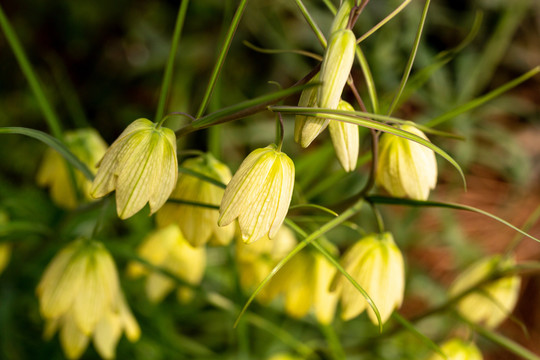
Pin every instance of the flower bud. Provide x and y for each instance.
(141, 166)
(259, 194)
(456, 349)
(335, 68)
(376, 264)
(307, 128)
(346, 139)
(406, 168)
(492, 302)
(167, 248)
(80, 294)
(198, 224)
(69, 187)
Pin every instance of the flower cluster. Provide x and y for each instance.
(79, 294)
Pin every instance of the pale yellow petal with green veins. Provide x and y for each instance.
(107, 334)
(244, 186)
(346, 139)
(73, 341)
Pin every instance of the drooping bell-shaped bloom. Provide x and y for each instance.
(457, 349)
(141, 165)
(79, 295)
(167, 248)
(256, 260)
(346, 139)
(492, 302)
(5, 254)
(376, 264)
(69, 188)
(406, 168)
(199, 224)
(259, 194)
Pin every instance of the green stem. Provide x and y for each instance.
(370, 83)
(311, 23)
(502, 341)
(221, 57)
(167, 77)
(410, 62)
(31, 76)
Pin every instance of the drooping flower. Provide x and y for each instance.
(335, 69)
(256, 260)
(69, 188)
(304, 281)
(167, 248)
(141, 166)
(199, 224)
(376, 264)
(259, 194)
(79, 294)
(5, 254)
(492, 302)
(457, 349)
(406, 168)
(346, 139)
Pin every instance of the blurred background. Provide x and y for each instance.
(101, 64)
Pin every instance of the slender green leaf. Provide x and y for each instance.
(314, 206)
(340, 268)
(31, 76)
(410, 62)
(383, 21)
(282, 51)
(242, 109)
(222, 55)
(167, 77)
(311, 22)
(53, 143)
(193, 203)
(23, 227)
(314, 235)
(409, 202)
(482, 99)
(502, 341)
(333, 115)
(201, 176)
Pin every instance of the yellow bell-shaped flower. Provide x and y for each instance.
(68, 188)
(141, 165)
(167, 248)
(376, 264)
(406, 168)
(79, 294)
(198, 224)
(346, 139)
(259, 194)
(5, 254)
(457, 349)
(256, 260)
(492, 302)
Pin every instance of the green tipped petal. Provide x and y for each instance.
(346, 139)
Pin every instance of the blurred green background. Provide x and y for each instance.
(101, 64)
